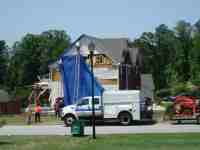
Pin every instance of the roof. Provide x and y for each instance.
(112, 47)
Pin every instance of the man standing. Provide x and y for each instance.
(37, 112)
(57, 108)
(29, 114)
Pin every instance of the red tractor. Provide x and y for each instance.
(186, 108)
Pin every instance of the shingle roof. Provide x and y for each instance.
(113, 47)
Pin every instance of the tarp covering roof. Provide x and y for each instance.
(77, 79)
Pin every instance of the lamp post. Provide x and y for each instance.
(78, 46)
(91, 48)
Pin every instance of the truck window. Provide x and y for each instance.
(96, 101)
(83, 102)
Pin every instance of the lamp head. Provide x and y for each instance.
(78, 45)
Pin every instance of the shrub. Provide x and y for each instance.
(168, 109)
(163, 93)
(2, 122)
(181, 88)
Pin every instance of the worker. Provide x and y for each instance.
(37, 112)
(57, 107)
(29, 114)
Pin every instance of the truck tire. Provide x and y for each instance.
(125, 118)
(68, 120)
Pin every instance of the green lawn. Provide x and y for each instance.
(21, 119)
(188, 141)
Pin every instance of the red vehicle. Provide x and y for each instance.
(186, 108)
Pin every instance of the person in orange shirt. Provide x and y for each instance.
(37, 113)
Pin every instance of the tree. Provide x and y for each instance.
(183, 32)
(32, 55)
(197, 26)
(3, 62)
(195, 56)
(157, 49)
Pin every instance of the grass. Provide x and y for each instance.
(189, 141)
(21, 119)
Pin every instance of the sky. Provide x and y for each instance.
(100, 18)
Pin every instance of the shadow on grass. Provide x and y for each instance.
(116, 123)
(80, 136)
(5, 143)
(185, 122)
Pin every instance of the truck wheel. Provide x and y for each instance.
(125, 118)
(198, 119)
(68, 120)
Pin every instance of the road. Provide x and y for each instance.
(61, 130)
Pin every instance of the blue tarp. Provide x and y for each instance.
(77, 79)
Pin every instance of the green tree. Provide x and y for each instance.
(183, 32)
(3, 62)
(32, 55)
(195, 56)
(157, 49)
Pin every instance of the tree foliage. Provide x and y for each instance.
(3, 62)
(157, 53)
(32, 55)
(172, 55)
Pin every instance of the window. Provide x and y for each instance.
(83, 102)
(96, 101)
(99, 59)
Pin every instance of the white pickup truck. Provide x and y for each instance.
(124, 106)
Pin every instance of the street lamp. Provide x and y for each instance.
(78, 46)
(91, 48)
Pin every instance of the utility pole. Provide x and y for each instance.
(91, 48)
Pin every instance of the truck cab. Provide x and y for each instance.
(82, 109)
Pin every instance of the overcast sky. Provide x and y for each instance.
(101, 18)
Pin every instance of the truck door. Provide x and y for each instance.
(97, 106)
(83, 108)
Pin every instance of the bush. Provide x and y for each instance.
(168, 109)
(181, 88)
(2, 122)
(163, 93)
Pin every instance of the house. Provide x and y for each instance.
(116, 64)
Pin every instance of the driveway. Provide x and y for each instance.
(61, 130)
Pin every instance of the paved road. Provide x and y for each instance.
(61, 130)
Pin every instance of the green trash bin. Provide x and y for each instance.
(77, 128)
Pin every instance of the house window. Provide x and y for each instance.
(99, 59)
